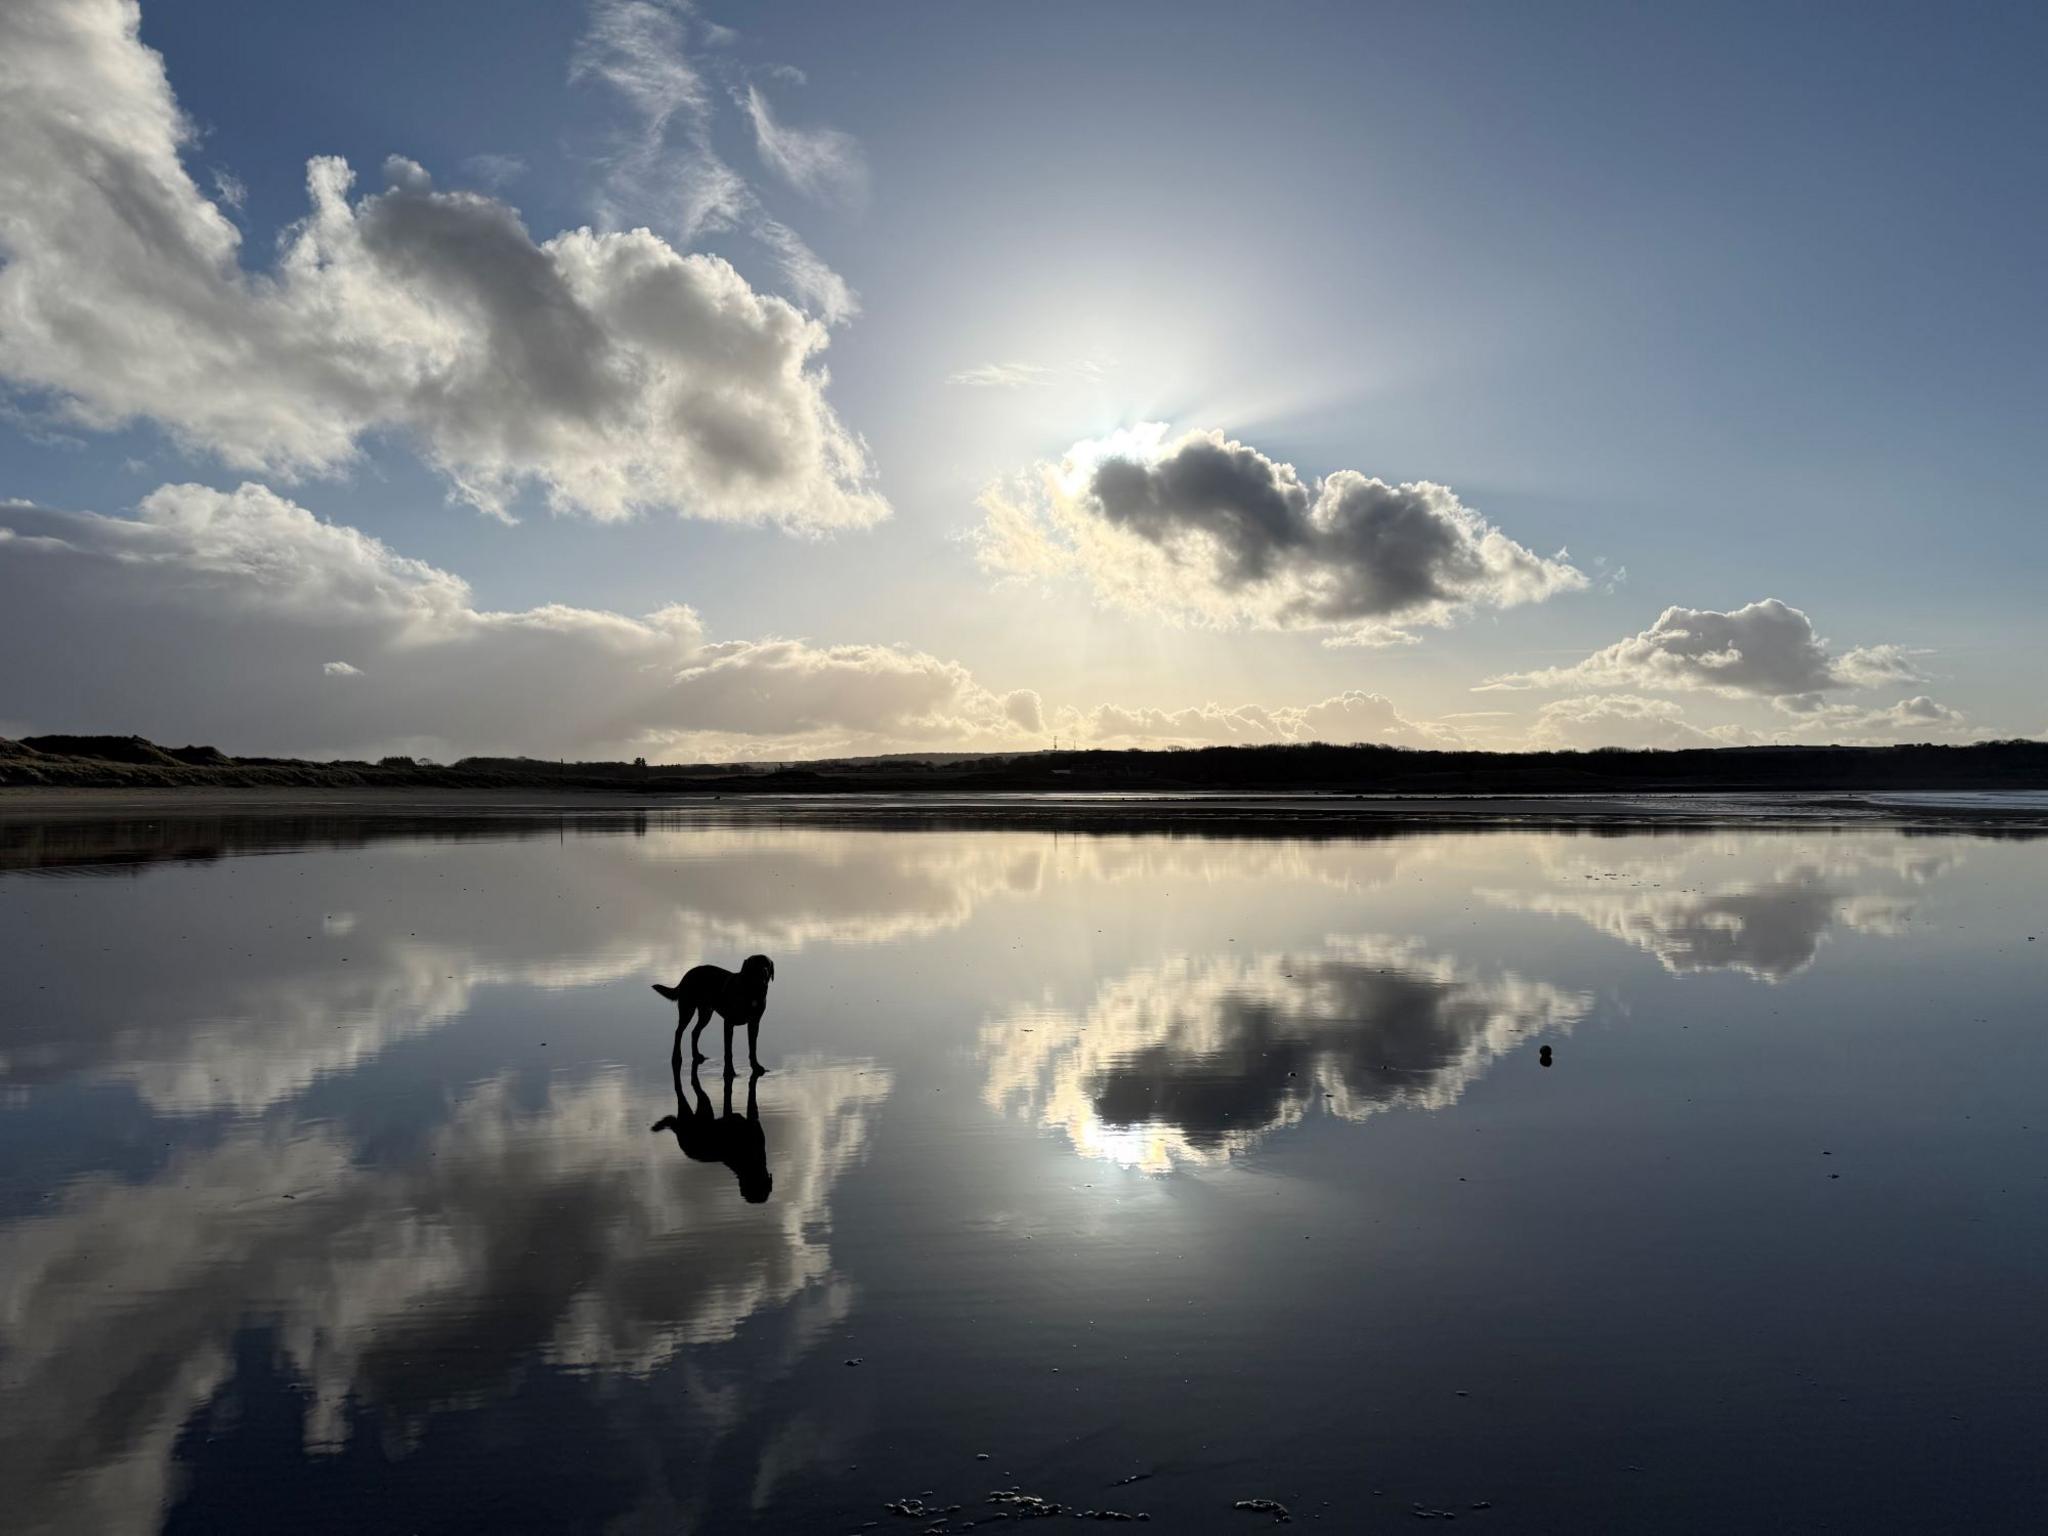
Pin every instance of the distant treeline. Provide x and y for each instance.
(131, 761)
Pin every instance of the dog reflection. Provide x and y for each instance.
(734, 1140)
(736, 998)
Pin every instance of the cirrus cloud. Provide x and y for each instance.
(821, 163)
(1205, 529)
(668, 161)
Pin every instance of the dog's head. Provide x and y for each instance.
(758, 969)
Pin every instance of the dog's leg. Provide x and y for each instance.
(703, 1018)
(753, 1039)
(728, 1052)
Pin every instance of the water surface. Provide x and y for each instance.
(1689, 1180)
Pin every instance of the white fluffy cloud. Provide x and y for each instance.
(609, 370)
(216, 614)
(1615, 720)
(1916, 719)
(1204, 529)
(1344, 718)
(1585, 722)
(1765, 650)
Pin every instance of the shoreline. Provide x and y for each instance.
(1195, 811)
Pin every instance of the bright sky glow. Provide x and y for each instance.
(749, 382)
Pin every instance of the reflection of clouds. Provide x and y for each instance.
(814, 885)
(1761, 907)
(1198, 1058)
(271, 1038)
(245, 1013)
(241, 1019)
(783, 889)
(563, 1233)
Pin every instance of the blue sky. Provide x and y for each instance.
(1742, 301)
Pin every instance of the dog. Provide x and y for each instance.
(736, 999)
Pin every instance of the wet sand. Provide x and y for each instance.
(1653, 1178)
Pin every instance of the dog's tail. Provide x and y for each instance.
(671, 993)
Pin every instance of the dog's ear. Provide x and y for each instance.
(768, 966)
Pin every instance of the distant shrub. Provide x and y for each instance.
(396, 762)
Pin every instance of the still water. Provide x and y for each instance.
(1690, 1181)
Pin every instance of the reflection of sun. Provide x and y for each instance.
(1142, 1147)
(1331, 1010)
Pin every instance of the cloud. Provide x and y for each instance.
(1025, 709)
(202, 614)
(821, 163)
(494, 170)
(607, 370)
(205, 612)
(1206, 530)
(1197, 1059)
(1589, 721)
(1347, 717)
(1615, 720)
(770, 687)
(669, 163)
(1023, 375)
(1764, 650)
(1918, 718)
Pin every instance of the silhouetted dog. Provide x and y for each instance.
(709, 989)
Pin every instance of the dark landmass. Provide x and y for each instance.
(129, 762)
(112, 803)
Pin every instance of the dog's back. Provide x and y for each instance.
(734, 994)
(700, 984)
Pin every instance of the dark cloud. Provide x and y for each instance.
(1207, 528)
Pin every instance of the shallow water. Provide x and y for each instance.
(1133, 1172)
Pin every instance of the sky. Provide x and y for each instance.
(718, 381)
